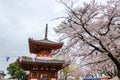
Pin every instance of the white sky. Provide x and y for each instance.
(21, 19)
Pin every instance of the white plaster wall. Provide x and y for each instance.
(33, 79)
(53, 78)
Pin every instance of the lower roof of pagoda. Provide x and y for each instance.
(36, 46)
(29, 63)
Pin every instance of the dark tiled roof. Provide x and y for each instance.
(36, 46)
(43, 61)
(47, 41)
(28, 63)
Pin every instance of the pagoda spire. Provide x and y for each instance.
(46, 31)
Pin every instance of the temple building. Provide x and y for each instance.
(44, 66)
(2, 75)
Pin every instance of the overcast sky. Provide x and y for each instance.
(21, 19)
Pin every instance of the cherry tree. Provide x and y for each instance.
(92, 27)
(99, 66)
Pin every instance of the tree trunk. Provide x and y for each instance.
(118, 74)
(116, 63)
(65, 76)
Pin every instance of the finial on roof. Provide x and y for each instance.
(46, 31)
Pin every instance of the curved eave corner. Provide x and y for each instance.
(36, 42)
(30, 45)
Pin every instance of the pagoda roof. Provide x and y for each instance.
(37, 46)
(28, 63)
(45, 43)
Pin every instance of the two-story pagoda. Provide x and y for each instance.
(43, 67)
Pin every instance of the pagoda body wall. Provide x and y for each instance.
(41, 75)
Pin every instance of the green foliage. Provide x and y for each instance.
(65, 69)
(16, 72)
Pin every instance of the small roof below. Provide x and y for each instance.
(28, 59)
(28, 63)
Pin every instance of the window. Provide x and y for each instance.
(44, 77)
(53, 74)
(34, 74)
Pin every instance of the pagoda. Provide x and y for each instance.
(43, 66)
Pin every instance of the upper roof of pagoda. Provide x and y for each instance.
(44, 44)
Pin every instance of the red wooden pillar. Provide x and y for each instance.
(49, 76)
